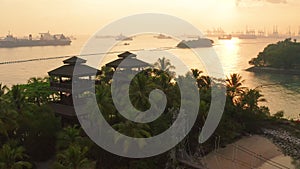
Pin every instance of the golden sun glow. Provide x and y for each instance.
(230, 44)
(228, 53)
(85, 17)
(225, 9)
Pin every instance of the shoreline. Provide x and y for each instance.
(283, 139)
(256, 69)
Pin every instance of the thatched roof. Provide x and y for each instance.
(67, 70)
(74, 60)
(130, 62)
(127, 54)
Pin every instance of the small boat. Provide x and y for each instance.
(161, 36)
(73, 38)
(122, 37)
(198, 43)
(225, 37)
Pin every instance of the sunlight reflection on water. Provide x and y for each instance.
(234, 55)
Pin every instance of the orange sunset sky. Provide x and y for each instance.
(87, 16)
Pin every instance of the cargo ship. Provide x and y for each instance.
(198, 43)
(45, 39)
(250, 34)
(162, 36)
(225, 37)
(247, 36)
(121, 37)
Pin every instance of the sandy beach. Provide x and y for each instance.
(249, 152)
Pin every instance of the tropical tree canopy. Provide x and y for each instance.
(283, 54)
(12, 156)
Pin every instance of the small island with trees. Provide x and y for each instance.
(282, 57)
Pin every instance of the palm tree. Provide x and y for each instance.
(107, 74)
(8, 121)
(234, 82)
(73, 158)
(17, 97)
(140, 88)
(196, 73)
(38, 90)
(131, 129)
(105, 102)
(204, 82)
(35, 94)
(69, 136)
(11, 157)
(165, 65)
(134, 130)
(234, 86)
(3, 99)
(251, 98)
(3, 89)
(7, 115)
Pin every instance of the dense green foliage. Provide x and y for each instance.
(12, 156)
(284, 54)
(26, 118)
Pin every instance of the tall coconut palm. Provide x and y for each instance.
(163, 80)
(107, 74)
(133, 130)
(165, 65)
(69, 136)
(11, 157)
(7, 115)
(73, 158)
(234, 86)
(140, 88)
(3, 89)
(8, 121)
(196, 73)
(17, 97)
(251, 98)
(203, 82)
(105, 102)
(234, 82)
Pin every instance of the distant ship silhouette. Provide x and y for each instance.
(46, 39)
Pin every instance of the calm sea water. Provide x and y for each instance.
(281, 91)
